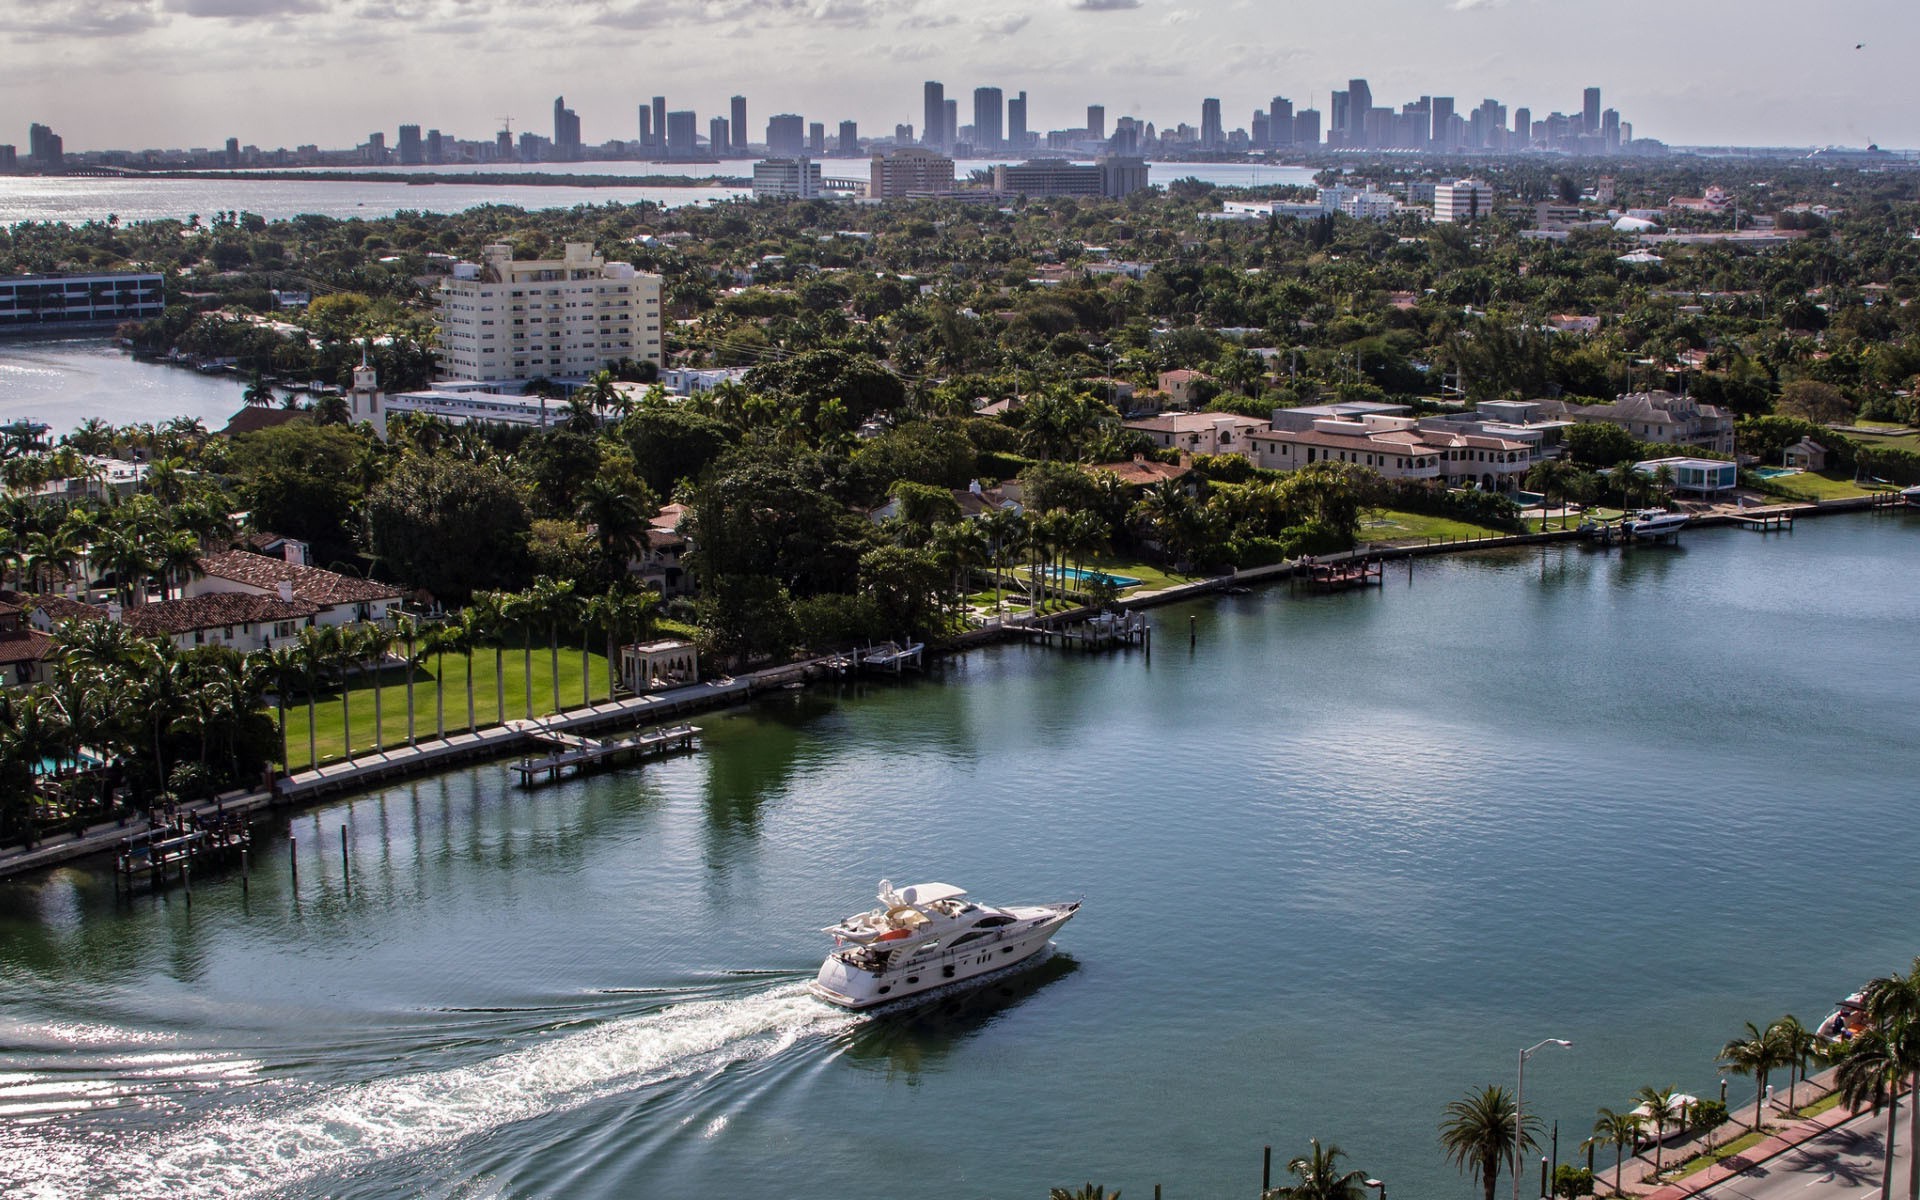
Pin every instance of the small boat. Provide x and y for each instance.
(925, 937)
(1655, 522)
(1846, 1022)
(1911, 496)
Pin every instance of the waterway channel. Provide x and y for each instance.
(1341, 859)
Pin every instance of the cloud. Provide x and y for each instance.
(240, 10)
(1102, 5)
(1471, 5)
(41, 19)
(1005, 24)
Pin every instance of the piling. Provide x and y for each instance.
(1193, 631)
(346, 868)
(1266, 1170)
(293, 858)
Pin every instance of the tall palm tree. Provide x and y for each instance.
(1798, 1046)
(465, 634)
(626, 616)
(1756, 1052)
(1619, 1130)
(313, 651)
(521, 610)
(487, 614)
(1320, 1177)
(1885, 1057)
(376, 642)
(554, 601)
(1478, 1134)
(1658, 1101)
(407, 629)
(284, 666)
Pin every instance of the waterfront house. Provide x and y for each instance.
(660, 553)
(1143, 472)
(1806, 454)
(24, 650)
(1200, 433)
(1660, 417)
(1701, 476)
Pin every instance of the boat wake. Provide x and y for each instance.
(269, 1143)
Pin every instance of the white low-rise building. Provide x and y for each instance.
(1200, 433)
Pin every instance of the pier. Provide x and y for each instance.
(1100, 631)
(1340, 576)
(175, 845)
(1774, 517)
(573, 754)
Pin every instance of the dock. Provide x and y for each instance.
(572, 754)
(1772, 517)
(1340, 576)
(1101, 631)
(890, 656)
(172, 847)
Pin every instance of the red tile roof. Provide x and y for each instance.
(311, 584)
(213, 611)
(24, 645)
(1141, 474)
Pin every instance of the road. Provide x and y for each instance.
(1844, 1161)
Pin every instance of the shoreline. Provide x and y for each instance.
(304, 788)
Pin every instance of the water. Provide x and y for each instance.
(62, 382)
(1341, 861)
(36, 198)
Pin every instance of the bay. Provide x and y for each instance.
(77, 199)
(1342, 858)
(63, 381)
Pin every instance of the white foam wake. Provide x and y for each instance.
(233, 1152)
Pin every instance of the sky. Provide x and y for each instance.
(129, 74)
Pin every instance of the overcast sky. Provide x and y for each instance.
(174, 73)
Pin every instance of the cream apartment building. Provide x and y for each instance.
(546, 318)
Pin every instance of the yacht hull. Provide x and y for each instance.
(848, 985)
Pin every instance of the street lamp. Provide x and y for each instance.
(1378, 1185)
(1519, 1098)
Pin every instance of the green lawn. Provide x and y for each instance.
(1889, 440)
(1824, 486)
(1830, 1100)
(1392, 525)
(1701, 1162)
(329, 725)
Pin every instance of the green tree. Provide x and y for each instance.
(1658, 1103)
(1757, 1052)
(1886, 1058)
(302, 481)
(450, 527)
(1479, 1136)
(1320, 1178)
(1619, 1130)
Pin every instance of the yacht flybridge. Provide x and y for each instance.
(928, 936)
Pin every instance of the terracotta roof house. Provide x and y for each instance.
(1143, 472)
(24, 650)
(1200, 433)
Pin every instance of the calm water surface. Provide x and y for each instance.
(62, 382)
(37, 198)
(1341, 860)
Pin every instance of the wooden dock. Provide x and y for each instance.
(1774, 517)
(1102, 631)
(174, 847)
(1340, 576)
(572, 754)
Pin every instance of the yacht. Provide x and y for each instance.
(1655, 522)
(925, 937)
(1911, 496)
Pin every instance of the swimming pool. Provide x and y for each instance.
(1076, 575)
(1775, 472)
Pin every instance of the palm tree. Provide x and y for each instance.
(625, 615)
(1002, 527)
(284, 666)
(1619, 1130)
(553, 599)
(487, 614)
(1756, 1053)
(1086, 1191)
(407, 629)
(1885, 1057)
(618, 518)
(464, 635)
(312, 648)
(1658, 1101)
(1797, 1047)
(376, 642)
(1320, 1178)
(1478, 1134)
(521, 610)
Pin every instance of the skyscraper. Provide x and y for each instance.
(1359, 104)
(786, 135)
(1337, 119)
(1306, 127)
(660, 124)
(949, 123)
(646, 127)
(719, 140)
(1211, 134)
(1017, 122)
(412, 152)
(933, 128)
(817, 139)
(1280, 122)
(45, 148)
(849, 137)
(681, 139)
(737, 125)
(1590, 111)
(566, 131)
(1522, 129)
(436, 147)
(1442, 114)
(1610, 129)
(988, 118)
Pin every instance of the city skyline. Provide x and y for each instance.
(323, 71)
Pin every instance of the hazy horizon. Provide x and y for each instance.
(188, 73)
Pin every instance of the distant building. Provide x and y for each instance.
(1662, 418)
(1097, 122)
(989, 113)
(59, 301)
(45, 149)
(909, 171)
(719, 137)
(566, 131)
(1461, 200)
(797, 177)
(546, 318)
(1111, 176)
(737, 125)
(849, 138)
(682, 140)
(412, 149)
(933, 127)
(786, 136)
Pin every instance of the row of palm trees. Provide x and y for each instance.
(494, 620)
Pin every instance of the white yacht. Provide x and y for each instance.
(1911, 496)
(1655, 522)
(928, 936)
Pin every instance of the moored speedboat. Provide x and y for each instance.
(1655, 522)
(1911, 496)
(925, 937)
